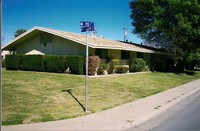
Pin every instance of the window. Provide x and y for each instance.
(139, 55)
(102, 53)
(125, 54)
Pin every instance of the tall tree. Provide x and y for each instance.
(172, 24)
(19, 32)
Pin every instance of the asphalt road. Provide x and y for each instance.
(184, 116)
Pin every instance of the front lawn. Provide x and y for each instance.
(29, 97)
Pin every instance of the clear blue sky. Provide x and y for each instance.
(109, 16)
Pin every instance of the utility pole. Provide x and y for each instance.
(125, 34)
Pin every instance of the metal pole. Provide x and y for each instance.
(86, 75)
(125, 34)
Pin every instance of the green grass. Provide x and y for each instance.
(29, 97)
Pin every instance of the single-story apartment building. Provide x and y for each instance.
(39, 40)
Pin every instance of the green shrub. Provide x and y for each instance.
(112, 64)
(192, 59)
(76, 64)
(137, 65)
(55, 63)
(31, 62)
(47, 63)
(3, 63)
(11, 62)
(121, 69)
(103, 68)
(93, 64)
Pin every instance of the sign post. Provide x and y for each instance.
(86, 27)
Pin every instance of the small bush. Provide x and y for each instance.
(121, 69)
(103, 69)
(11, 62)
(93, 64)
(55, 63)
(76, 64)
(113, 63)
(31, 62)
(137, 65)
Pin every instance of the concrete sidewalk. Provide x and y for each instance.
(119, 118)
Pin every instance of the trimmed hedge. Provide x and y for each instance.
(3, 63)
(11, 62)
(31, 62)
(76, 64)
(55, 63)
(48, 63)
(137, 65)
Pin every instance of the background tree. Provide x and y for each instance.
(171, 24)
(19, 32)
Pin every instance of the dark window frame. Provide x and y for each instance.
(140, 55)
(102, 53)
(125, 54)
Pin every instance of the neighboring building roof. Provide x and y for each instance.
(35, 52)
(4, 53)
(93, 42)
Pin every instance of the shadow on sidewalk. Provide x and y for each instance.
(70, 92)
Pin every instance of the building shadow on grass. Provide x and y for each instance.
(70, 92)
(188, 72)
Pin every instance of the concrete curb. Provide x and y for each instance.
(158, 111)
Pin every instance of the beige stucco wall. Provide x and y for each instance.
(66, 47)
(133, 54)
(59, 46)
(29, 45)
(114, 53)
(91, 51)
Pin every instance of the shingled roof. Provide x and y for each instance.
(93, 42)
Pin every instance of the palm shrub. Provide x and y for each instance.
(93, 64)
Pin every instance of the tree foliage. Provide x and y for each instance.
(193, 59)
(172, 24)
(19, 32)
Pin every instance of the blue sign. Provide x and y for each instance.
(86, 26)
